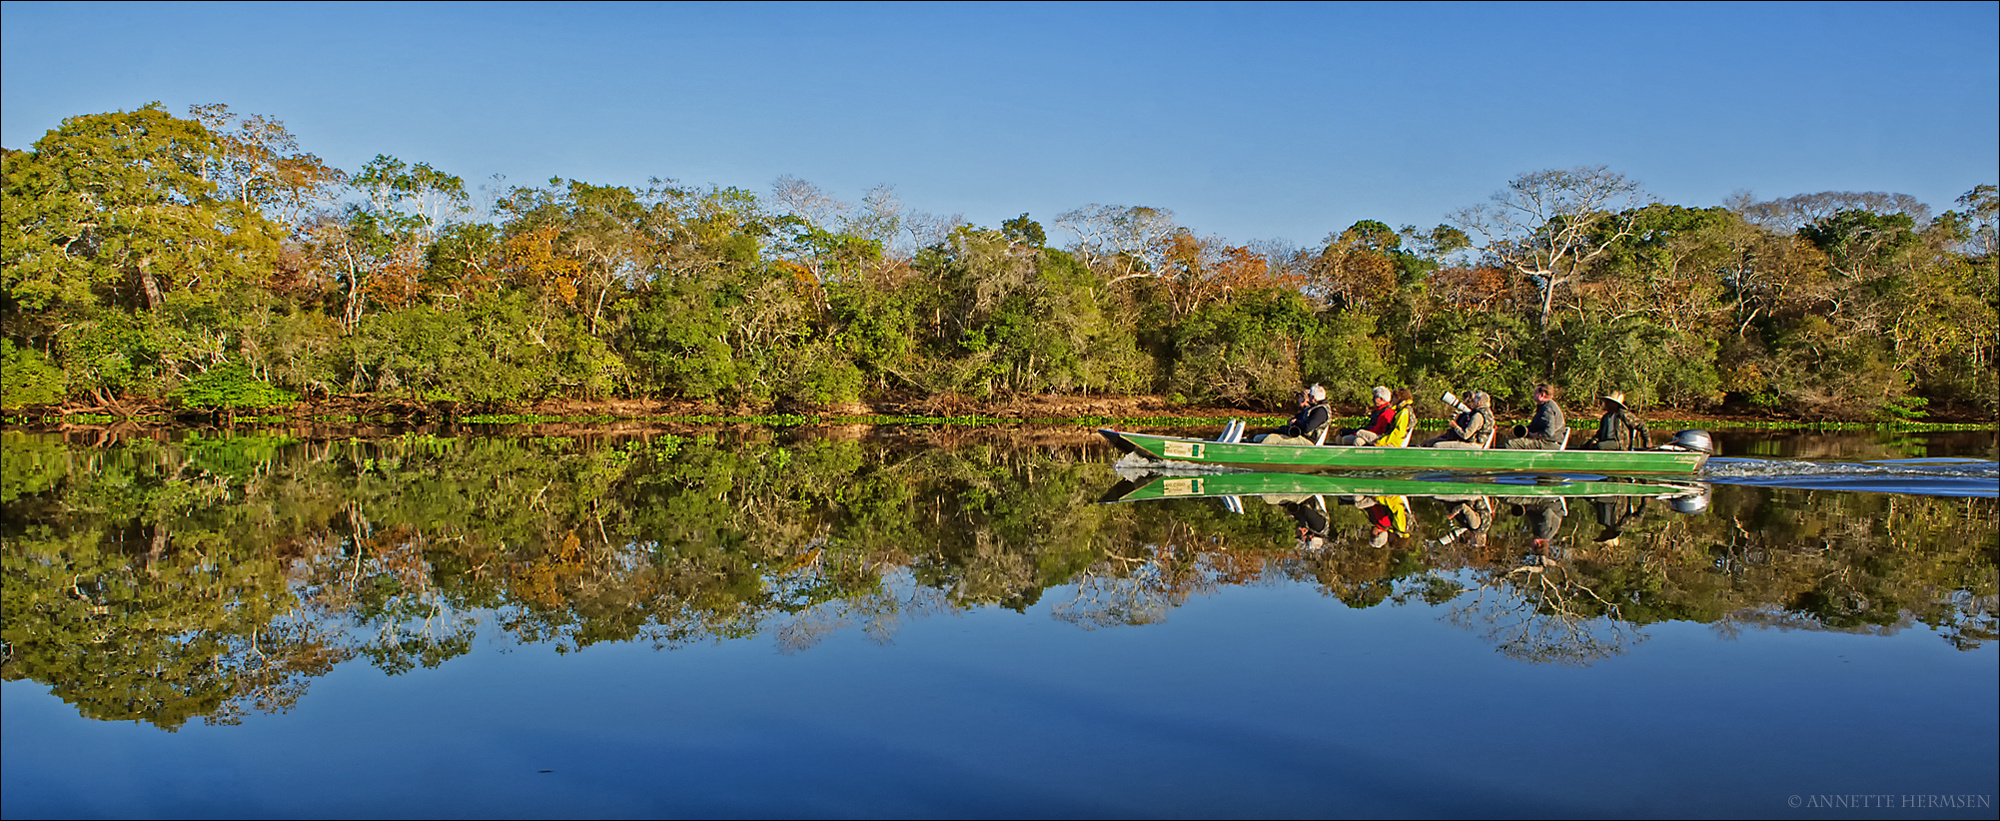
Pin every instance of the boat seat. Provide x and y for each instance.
(1562, 439)
(1232, 432)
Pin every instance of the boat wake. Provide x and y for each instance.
(1929, 477)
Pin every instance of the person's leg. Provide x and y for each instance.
(1281, 439)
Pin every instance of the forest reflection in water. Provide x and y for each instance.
(210, 575)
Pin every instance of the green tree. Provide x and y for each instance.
(1549, 226)
(115, 208)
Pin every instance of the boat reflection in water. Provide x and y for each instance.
(1498, 556)
(1472, 501)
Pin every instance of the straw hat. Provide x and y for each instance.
(1615, 397)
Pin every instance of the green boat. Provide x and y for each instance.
(1308, 484)
(1682, 457)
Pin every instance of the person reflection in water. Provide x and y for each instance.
(1389, 514)
(1614, 514)
(1309, 512)
(1470, 519)
(1545, 520)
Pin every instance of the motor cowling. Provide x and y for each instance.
(1694, 440)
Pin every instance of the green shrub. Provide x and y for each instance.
(230, 387)
(26, 377)
(823, 377)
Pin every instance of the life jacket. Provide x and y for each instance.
(1384, 416)
(1308, 421)
(1404, 423)
(1475, 425)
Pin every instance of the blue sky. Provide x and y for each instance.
(1250, 121)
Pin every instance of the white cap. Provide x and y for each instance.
(1317, 392)
(1381, 393)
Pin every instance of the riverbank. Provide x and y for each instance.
(1038, 410)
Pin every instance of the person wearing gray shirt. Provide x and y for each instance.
(1548, 430)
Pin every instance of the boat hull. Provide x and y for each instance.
(1349, 457)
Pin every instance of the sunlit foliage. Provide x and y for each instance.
(157, 261)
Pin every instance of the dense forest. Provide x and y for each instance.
(208, 262)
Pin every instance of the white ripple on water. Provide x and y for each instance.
(1942, 476)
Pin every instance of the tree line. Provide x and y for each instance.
(208, 262)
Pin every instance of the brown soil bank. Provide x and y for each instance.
(1021, 408)
(1065, 407)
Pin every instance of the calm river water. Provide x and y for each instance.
(948, 622)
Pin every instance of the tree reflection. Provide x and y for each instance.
(1543, 612)
(1542, 609)
(128, 629)
(1121, 591)
(878, 613)
(215, 576)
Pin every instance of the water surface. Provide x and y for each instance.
(909, 622)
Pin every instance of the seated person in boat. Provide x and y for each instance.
(1619, 428)
(1380, 418)
(1305, 425)
(1404, 423)
(1471, 429)
(1547, 431)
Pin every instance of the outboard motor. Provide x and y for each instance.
(1694, 440)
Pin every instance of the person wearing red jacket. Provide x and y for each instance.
(1380, 418)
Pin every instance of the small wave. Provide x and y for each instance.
(1928, 477)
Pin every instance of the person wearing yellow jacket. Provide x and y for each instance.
(1404, 424)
